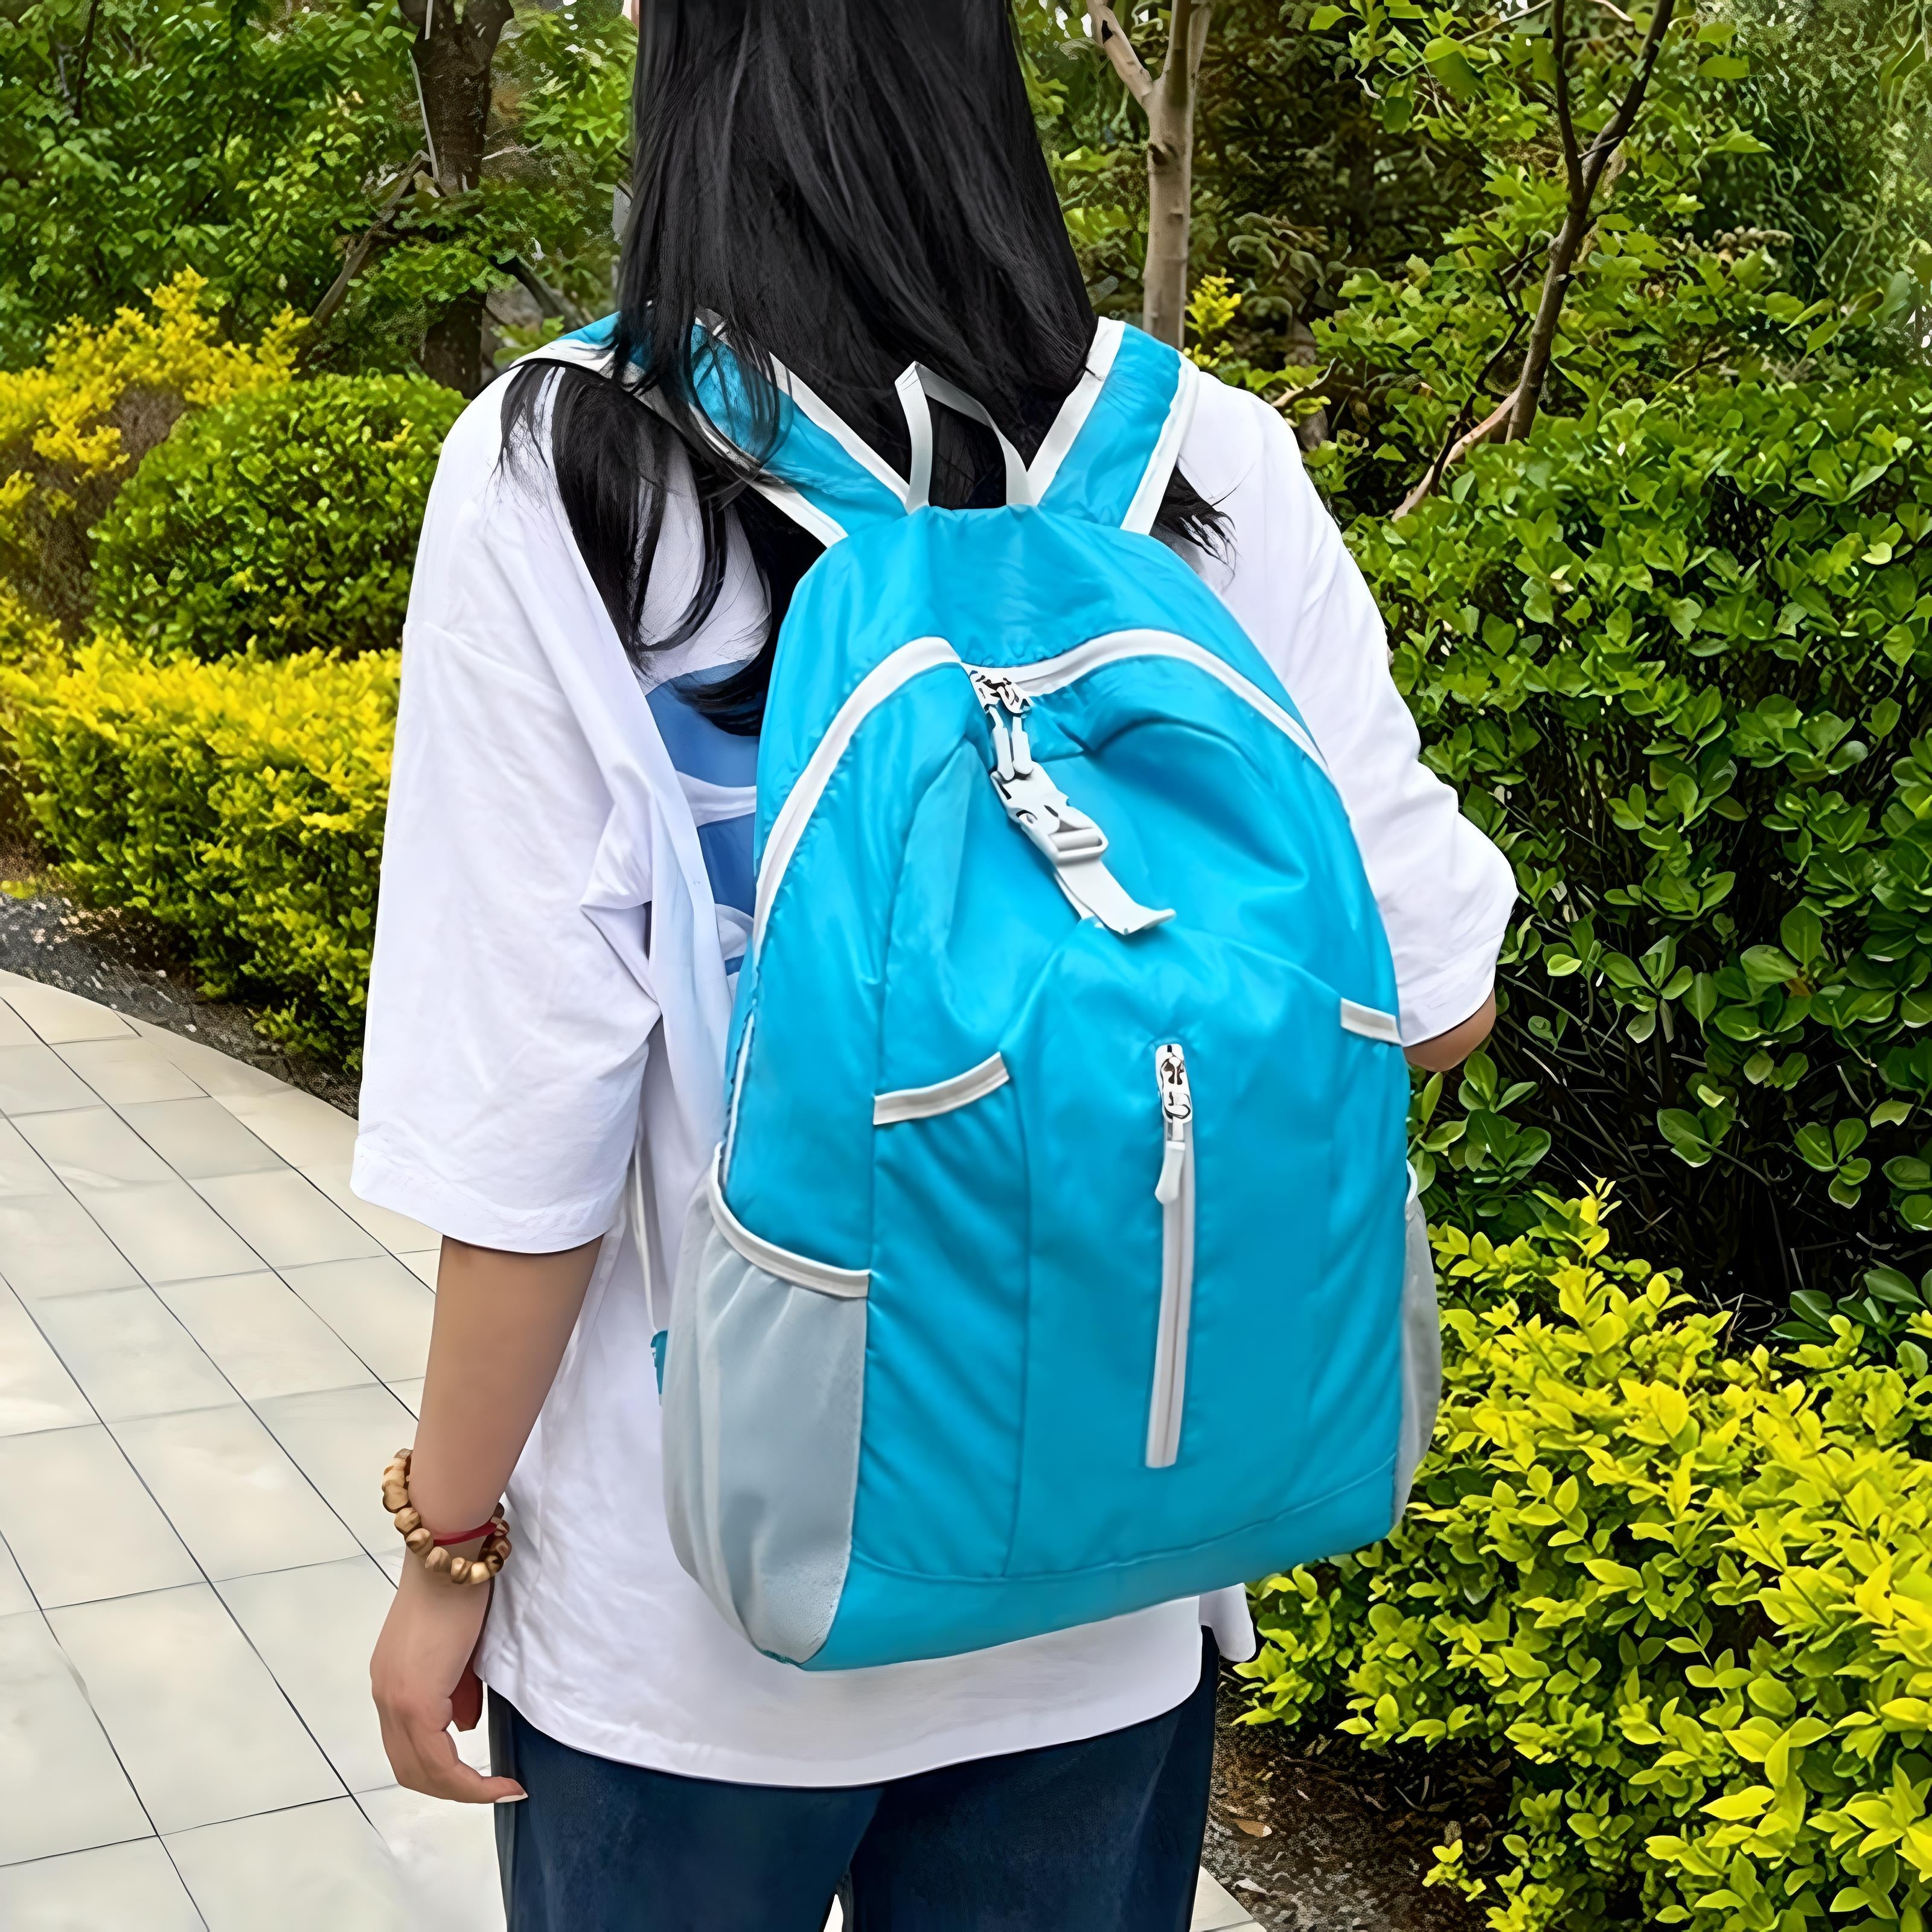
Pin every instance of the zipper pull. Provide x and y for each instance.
(1017, 705)
(1004, 702)
(987, 689)
(1176, 1110)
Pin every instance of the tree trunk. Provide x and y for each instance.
(1170, 113)
(1170, 210)
(1168, 104)
(453, 54)
(452, 345)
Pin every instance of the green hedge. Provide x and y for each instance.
(282, 521)
(241, 803)
(1688, 1594)
(1677, 656)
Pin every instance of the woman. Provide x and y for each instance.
(845, 186)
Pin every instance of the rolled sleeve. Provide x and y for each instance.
(508, 1024)
(1444, 889)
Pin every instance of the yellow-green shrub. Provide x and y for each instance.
(72, 424)
(241, 802)
(1688, 1592)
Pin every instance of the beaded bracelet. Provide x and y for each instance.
(422, 1541)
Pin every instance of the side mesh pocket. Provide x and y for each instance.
(1421, 1352)
(764, 1383)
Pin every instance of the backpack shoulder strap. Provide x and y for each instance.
(1106, 459)
(821, 472)
(1110, 452)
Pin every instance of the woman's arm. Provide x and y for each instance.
(502, 1323)
(1451, 1049)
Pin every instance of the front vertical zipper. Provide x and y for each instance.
(1174, 1191)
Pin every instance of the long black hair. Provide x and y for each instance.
(848, 186)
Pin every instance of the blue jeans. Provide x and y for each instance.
(1102, 1835)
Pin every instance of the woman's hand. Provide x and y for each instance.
(420, 1664)
(502, 1323)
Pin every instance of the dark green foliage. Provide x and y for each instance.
(284, 521)
(1678, 655)
(254, 144)
(1841, 94)
(138, 137)
(1297, 182)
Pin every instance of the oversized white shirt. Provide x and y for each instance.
(550, 992)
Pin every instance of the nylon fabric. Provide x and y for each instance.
(768, 1379)
(1101, 476)
(1013, 1248)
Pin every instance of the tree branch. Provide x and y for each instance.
(552, 302)
(363, 246)
(1579, 215)
(1621, 123)
(1187, 34)
(86, 54)
(1566, 119)
(1113, 43)
(1489, 429)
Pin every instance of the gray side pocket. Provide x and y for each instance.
(1421, 1353)
(761, 1463)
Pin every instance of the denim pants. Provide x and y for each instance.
(1101, 1835)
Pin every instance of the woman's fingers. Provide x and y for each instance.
(423, 1755)
(466, 1701)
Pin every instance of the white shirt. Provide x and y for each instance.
(551, 973)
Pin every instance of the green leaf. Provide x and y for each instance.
(1803, 933)
(1746, 1804)
(1685, 1133)
(1813, 1306)
(1888, 1286)
(1813, 1143)
(1450, 65)
(1725, 67)
(1766, 966)
(1323, 18)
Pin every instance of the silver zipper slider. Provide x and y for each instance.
(1016, 703)
(1176, 1109)
(986, 688)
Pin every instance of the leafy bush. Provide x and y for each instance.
(242, 803)
(283, 521)
(74, 423)
(1688, 1593)
(1677, 656)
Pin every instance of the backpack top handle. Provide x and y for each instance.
(1106, 458)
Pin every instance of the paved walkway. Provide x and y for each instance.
(208, 1348)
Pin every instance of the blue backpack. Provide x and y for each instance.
(1060, 1258)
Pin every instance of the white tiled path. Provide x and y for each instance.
(207, 1346)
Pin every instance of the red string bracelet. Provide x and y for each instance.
(433, 1550)
(465, 1535)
